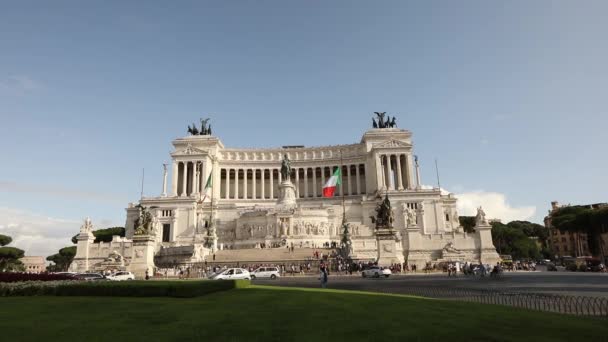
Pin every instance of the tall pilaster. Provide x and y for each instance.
(306, 182)
(314, 181)
(245, 181)
(417, 172)
(399, 174)
(196, 175)
(227, 183)
(297, 183)
(164, 193)
(254, 185)
(358, 182)
(184, 179)
(174, 177)
(350, 187)
(262, 195)
(409, 171)
(236, 183)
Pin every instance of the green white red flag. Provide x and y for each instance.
(334, 181)
(208, 186)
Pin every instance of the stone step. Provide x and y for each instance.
(267, 254)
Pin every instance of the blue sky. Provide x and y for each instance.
(511, 97)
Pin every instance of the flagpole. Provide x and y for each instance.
(342, 188)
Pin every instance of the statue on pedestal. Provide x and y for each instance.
(143, 224)
(286, 168)
(480, 219)
(87, 227)
(384, 214)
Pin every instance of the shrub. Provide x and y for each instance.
(571, 267)
(185, 289)
(582, 268)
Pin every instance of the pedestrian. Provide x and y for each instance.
(147, 275)
(323, 277)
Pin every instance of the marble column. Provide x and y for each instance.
(399, 174)
(245, 181)
(184, 178)
(408, 171)
(195, 177)
(262, 184)
(174, 177)
(227, 183)
(164, 193)
(306, 182)
(236, 183)
(417, 173)
(350, 186)
(379, 172)
(314, 181)
(271, 183)
(387, 172)
(297, 171)
(254, 189)
(358, 181)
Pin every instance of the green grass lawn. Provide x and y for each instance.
(282, 314)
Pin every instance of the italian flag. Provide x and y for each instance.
(330, 187)
(208, 185)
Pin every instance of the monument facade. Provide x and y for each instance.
(223, 198)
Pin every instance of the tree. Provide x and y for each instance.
(9, 256)
(5, 240)
(584, 220)
(467, 223)
(512, 240)
(104, 235)
(61, 260)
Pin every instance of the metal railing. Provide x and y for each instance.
(565, 304)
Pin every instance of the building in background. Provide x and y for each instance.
(569, 244)
(34, 264)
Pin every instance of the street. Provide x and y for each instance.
(564, 283)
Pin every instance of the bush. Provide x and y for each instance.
(185, 289)
(571, 267)
(582, 268)
(10, 277)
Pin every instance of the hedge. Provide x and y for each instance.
(180, 289)
(11, 277)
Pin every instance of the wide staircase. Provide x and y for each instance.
(267, 254)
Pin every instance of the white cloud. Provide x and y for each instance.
(44, 189)
(38, 235)
(494, 204)
(18, 85)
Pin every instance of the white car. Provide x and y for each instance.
(266, 272)
(120, 276)
(232, 273)
(376, 271)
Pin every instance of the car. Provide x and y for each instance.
(376, 271)
(266, 272)
(232, 273)
(120, 276)
(90, 276)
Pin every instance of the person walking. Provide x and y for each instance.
(323, 277)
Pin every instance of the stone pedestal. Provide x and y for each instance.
(287, 196)
(487, 251)
(389, 251)
(81, 259)
(143, 256)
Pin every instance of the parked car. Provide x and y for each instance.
(376, 271)
(232, 273)
(266, 272)
(90, 276)
(120, 276)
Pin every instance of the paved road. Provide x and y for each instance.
(579, 284)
